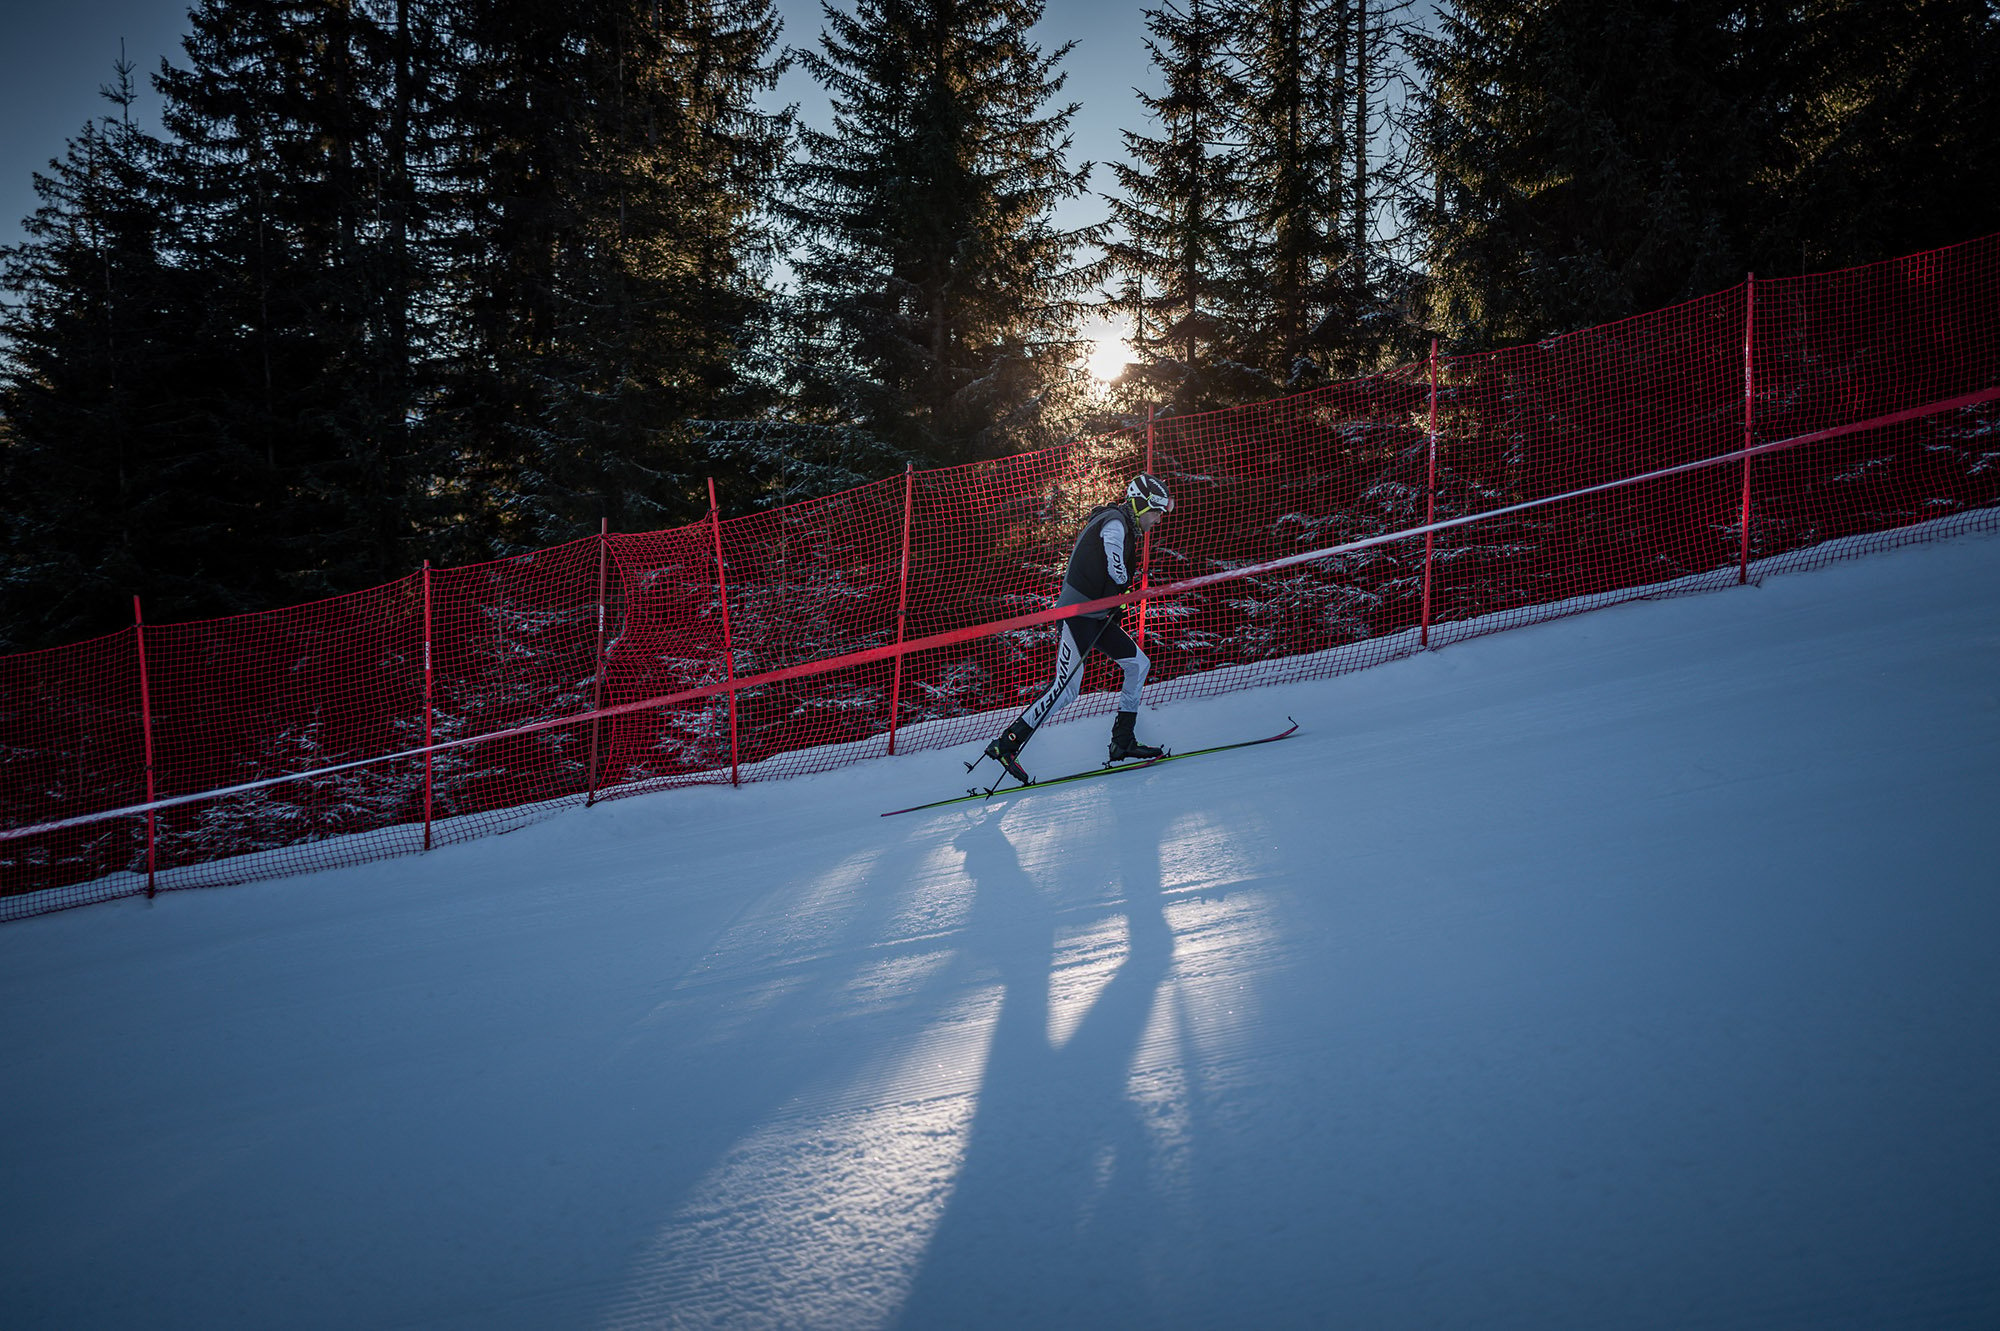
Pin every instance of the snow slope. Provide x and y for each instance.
(1634, 970)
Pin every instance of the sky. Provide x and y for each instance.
(56, 54)
(1632, 970)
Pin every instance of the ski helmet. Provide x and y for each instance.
(1146, 493)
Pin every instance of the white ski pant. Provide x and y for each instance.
(1111, 640)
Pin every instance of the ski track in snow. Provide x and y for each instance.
(1629, 970)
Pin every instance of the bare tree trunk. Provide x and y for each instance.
(1360, 147)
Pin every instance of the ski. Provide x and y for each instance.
(997, 790)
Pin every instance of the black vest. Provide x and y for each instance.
(1089, 574)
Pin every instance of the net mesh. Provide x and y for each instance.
(532, 646)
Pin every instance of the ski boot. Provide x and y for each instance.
(1004, 749)
(1124, 745)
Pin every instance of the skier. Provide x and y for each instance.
(1103, 563)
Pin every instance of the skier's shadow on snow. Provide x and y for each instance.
(1057, 1180)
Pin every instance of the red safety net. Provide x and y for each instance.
(458, 702)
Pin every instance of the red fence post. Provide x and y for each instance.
(146, 725)
(597, 672)
(902, 600)
(1431, 500)
(728, 644)
(428, 710)
(1749, 402)
(1146, 552)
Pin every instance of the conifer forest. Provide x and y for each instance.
(374, 282)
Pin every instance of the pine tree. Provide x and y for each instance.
(103, 469)
(1179, 210)
(941, 300)
(609, 178)
(1249, 260)
(712, 302)
(1590, 158)
(412, 234)
(1877, 114)
(1381, 162)
(1590, 161)
(1293, 266)
(277, 173)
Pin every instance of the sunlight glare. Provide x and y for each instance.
(1108, 358)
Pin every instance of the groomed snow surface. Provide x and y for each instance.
(1640, 969)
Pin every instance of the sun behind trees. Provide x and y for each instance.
(455, 279)
(938, 299)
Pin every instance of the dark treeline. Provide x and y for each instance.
(1590, 159)
(451, 279)
(402, 279)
